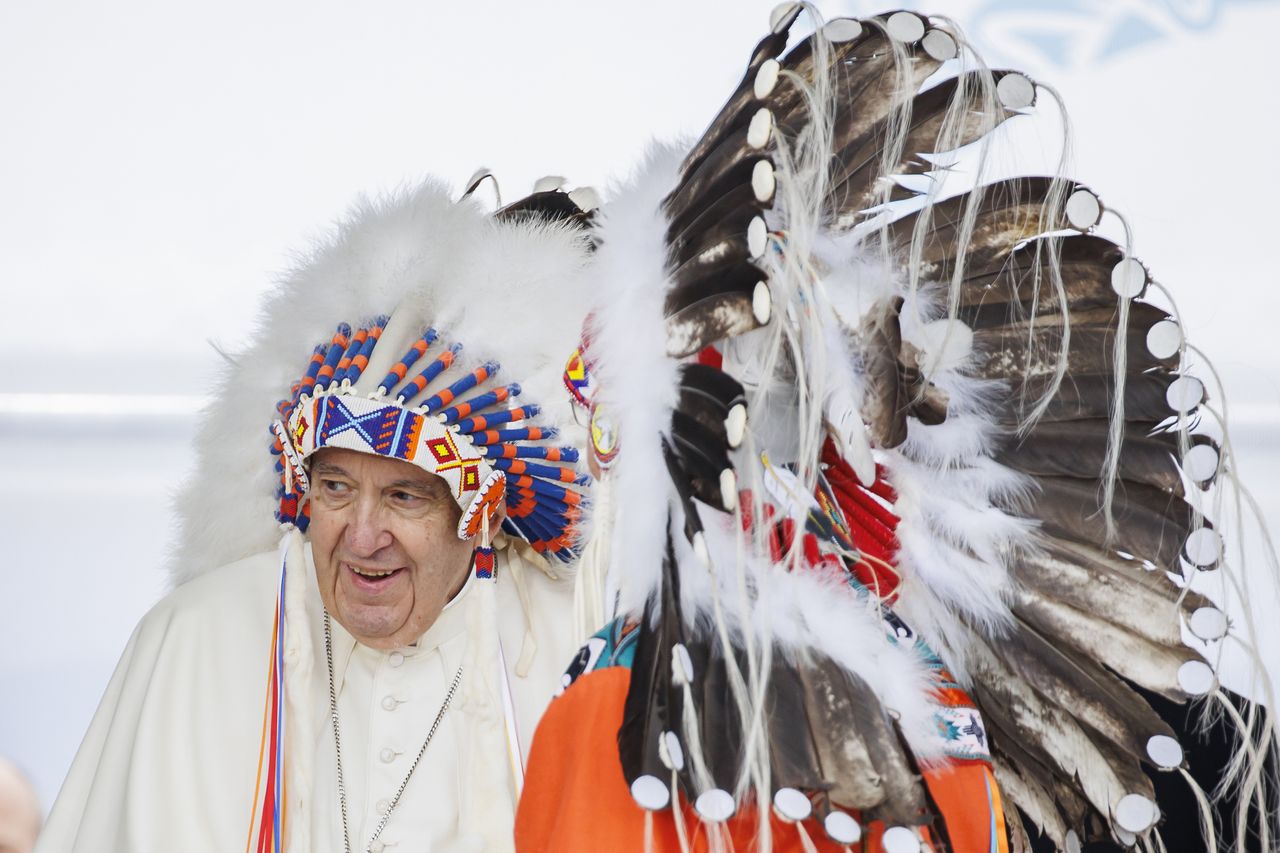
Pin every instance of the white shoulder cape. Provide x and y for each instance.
(170, 759)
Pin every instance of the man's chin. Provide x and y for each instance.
(376, 616)
(376, 626)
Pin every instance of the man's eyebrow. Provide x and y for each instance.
(330, 469)
(418, 484)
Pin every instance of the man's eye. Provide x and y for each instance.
(406, 497)
(334, 487)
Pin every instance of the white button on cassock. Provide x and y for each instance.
(395, 658)
(376, 847)
(387, 755)
(389, 703)
(383, 807)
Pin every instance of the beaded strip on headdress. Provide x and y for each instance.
(481, 446)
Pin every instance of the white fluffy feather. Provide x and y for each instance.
(632, 377)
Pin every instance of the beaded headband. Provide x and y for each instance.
(481, 446)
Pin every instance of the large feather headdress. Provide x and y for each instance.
(969, 458)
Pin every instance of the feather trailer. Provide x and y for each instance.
(1145, 602)
(1034, 801)
(1152, 524)
(845, 759)
(704, 462)
(905, 802)
(743, 103)
(1001, 287)
(1093, 696)
(1078, 449)
(868, 74)
(1106, 777)
(855, 186)
(1056, 804)
(715, 400)
(1155, 666)
(718, 235)
(886, 398)
(1008, 213)
(1018, 351)
(1088, 396)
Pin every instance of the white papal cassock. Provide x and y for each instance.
(171, 758)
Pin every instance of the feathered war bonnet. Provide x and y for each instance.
(423, 329)
(892, 554)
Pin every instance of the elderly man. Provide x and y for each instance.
(372, 681)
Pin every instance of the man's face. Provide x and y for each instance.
(384, 537)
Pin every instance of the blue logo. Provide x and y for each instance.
(1071, 33)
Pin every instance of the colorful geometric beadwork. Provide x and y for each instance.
(485, 506)
(577, 378)
(484, 562)
(464, 432)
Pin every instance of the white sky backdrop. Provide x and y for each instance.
(159, 161)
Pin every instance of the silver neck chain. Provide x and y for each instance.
(337, 744)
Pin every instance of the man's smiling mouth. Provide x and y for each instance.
(373, 574)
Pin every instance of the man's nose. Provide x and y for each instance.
(367, 533)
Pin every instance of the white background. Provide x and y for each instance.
(159, 161)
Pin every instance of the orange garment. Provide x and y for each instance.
(576, 797)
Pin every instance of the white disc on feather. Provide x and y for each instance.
(549, 183)
(1196, 677)
(729, 489)
(1184, 394)
(1136, 813)
(1201, 463)
(757, 237)
(714, 805)
(766, 78)
(1016, 91)
(735, 425)
(681, 665)
(1164, 751)
(783, 15)
(1072, 842)
(1203, 548)
(761, 127)
(792, 804)
(1208, 623)
(1126, 838)
(761, 303)
(763, 181)
(1083, 210)
(586, 198)
(1164, 339)
(650, 793)
(842, 828)
(940, 45)
(899, 839)
(1128, 278)
(905, 26)
(839, 30)
(670, 753)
